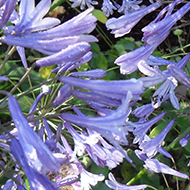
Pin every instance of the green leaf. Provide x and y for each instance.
(159, 128)
(55, 4)
(83, 67)
(44, 72)
(102, 62)
(95, 47)
(100, 16)
(120, 48)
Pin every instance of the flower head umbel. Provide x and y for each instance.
(64, 43)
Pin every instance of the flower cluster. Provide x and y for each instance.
(48, 141)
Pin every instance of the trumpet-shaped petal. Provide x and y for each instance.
(123, 25)
(179, 75)
(93, 74)
(152, 146)
(71, 53)
(120, 87)
(37, 153)
(81, 24)
(110, 127)
(36, 180)
(158, 167)
(160, 27)
(62, 95)
(184, 141)
(113, 184)
(141, 128)
(31, 18)
(6, 9)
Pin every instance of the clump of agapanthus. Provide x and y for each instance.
(153, 35)
(64, 43)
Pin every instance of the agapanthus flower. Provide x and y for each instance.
(113, 184)
(83, 3)
(158, 167)
(64, 43)
(152, 146)
(154, 34)
(112, 89)
(179, 75)
(63, 94)
(160, 27)
(37, 153)
(129, 6)
(155, 76)
(141, 128)
(45, 91)
(36, 180)
(108, 7)
(184, 141)
(6, 9)
(123, 25)
(105, 155)
(110, 126)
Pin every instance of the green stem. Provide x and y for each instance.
(8, 55)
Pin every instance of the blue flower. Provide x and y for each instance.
(184, 141)
(111, 126)
(129, 6)
(152, 146)
(159, 28)
(82, 3)
(179, 75)
(105, 155)
(63, 94)
(113, 184)
(36, 152)
(107, 7)
(112, 89)
(155, 76)
(123, 25)
(6, 9)
(63, 43)
(141, 128)
(154, 34)
(158, 167)
(36, 180)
